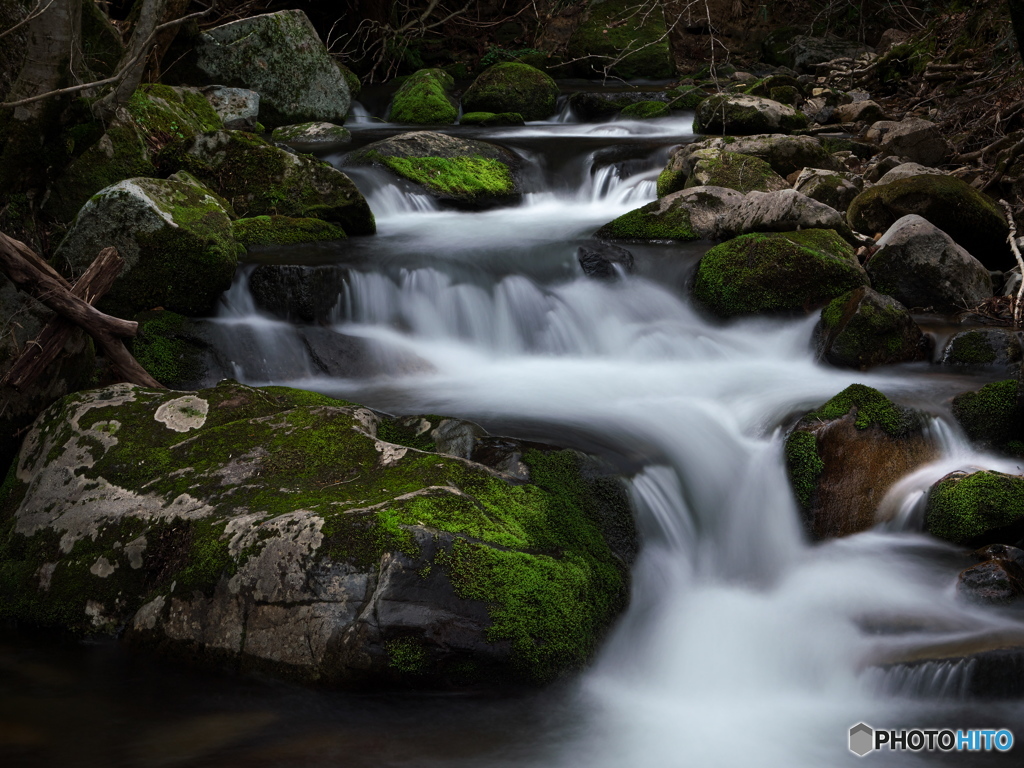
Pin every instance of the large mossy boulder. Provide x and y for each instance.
(425, 98)
(997, 349)
(844, 457)
(689, 214)
(920, 265)
(783, 272)
(744, 173)
(833, 188)
(154, 115)
(784, 210)
(259, 179)
(951, 204)
(280, 56)
(863, 328)
(976, 508)
(741, 114)
(512, 87)
(175, 239)
(992, 417)
(634, 44)
(462, 173)
(785, 154)
(281, 531)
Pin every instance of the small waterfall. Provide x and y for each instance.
(358, 114)
(925, 680)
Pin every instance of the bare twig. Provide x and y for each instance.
(1018, 301)
(32, 14)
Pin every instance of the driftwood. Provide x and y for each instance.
(32, 274)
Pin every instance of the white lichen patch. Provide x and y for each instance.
(46, 575)
(102, 568)
(367, 419)
(134, 550)
(282, 549)
(183, 413)
(94, 611)
(390, 454)
(146, 617)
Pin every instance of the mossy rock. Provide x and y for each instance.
(490, 119)
(311, 539)
(731, 170)
(462, 173)
(284, 230)
(951, 204)
(645, 110)
(512, 87)
(425, 98)
(670, 180)
(654, 221)
(992, 417)
(843, 457)
(863, 329)
(312, 133)
(996, 348)
(155, 114)
(776, 272)
(172, 348)
(613, 31)
(175, 239)
(741, 115)
(977, 508)
(355, 85)
(259, 179)
(686, 97)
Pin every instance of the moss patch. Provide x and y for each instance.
(491, 119)
(617, 27)
(166, 348)
(650, 223)
(455, 176)
(645, 110)
(512, 87)
(425, 99)
(871, 407)
(284, 230)
(731, 170)
(991, 417)
(804, 465)
(972, 508)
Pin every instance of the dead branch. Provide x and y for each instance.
(1018, 301)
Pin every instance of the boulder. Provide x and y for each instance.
(741, 114)
(425, 98)
(153, 115)
(315, 539)
(863, 328)
(783, 211)
(976, 508)
(175, 239)
(260, 179)
(604, 260)
(949, 203)
(317, 134)
(997, 580)
(645, 110)
(238, 108)
(866, 111)
(992, 417)
(634, 44)
(744, 173)
(785, 272)
(920, 266)
(299, 293)
(490, 119)
(284, 230)
(832, 188)
(785, 154)
(844, 457)
(917, 140)
(280, 56)
(512, 87)
(691, 214)
(905, 171)
(458, 172)
(993, 348)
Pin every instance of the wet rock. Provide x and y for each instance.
(920, 266)
(309, 543)
(306, 294)
(259, 179)
(863, 328)
(917, 140)
(175, 239)
(320, 134)
(238, 108)
(425, 98)
(280, 56)
(742, 114)
(996, 348)
(462, 173)
(744, 173)
(785, 154)
(786, 272)
(951, 204)
(512, 87)
(782, 211)
(969, 508)
(175, 350)
(844, 457)
(996, 582)
(691, 214)
(991, 417)
(490, 119)
(832, 188)
(604, 260)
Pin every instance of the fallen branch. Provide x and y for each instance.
(1018, 306)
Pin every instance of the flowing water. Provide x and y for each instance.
(744, 646)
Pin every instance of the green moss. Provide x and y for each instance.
(645, 110)
(731, 170)
(971, 348)
(425, 99)
(686, 97)
(512, 87)
(409, 431)
(284, 230)
(296, 133)
(166, 349)
(650, 223)
(776, 272)
(489, 119)
(355, 85)
(407, 656)
(871, 408)
(965, 508)
(670, 181)
(804, 465)
(617, 31)
(456, 176)
(864, 329)
(991, 416)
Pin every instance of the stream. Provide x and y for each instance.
(744, 645)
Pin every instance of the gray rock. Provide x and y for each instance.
(280, 56)
(604, 260)
(744, 173)
(905, 171)
(835, 189)
(863, 329)
(993, 582)
(783, 211)
(238, 108)
(741, 114)
(690, 214)
(859, 112)
(785, 154)
(919, 141)
(320, 134)
(921, 266)
(994, 348)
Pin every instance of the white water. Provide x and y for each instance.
(744, 646)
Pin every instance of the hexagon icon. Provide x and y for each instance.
(862, 739)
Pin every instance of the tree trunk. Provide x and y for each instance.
(133, 63)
